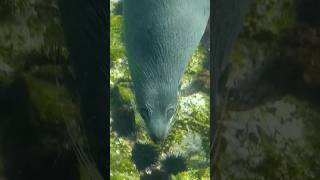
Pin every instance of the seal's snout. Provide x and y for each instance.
(158, 136)
(158, 131)
(156, 139)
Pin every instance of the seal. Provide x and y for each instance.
(160, 37)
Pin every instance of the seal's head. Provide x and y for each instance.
(157, 108)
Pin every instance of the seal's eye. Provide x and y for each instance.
(144, 112)
(170, 112)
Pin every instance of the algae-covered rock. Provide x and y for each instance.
(6, 73)
(194, 68)
(268, 20)
(52, 104)
(271, 141)
(49, 73)
(121, 94)
(9, 8)
(157, 174)
(28, 26)
(121, 166)
(122, 111)
(117, 49)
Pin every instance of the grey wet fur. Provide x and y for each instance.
(160, 37)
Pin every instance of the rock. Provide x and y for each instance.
(51, 104)
(6, 72)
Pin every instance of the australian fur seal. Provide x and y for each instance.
(160, 37)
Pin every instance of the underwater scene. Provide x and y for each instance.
(134, 153)
(269, 91)
(270, 95)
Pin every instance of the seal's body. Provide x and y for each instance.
(160, 37)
